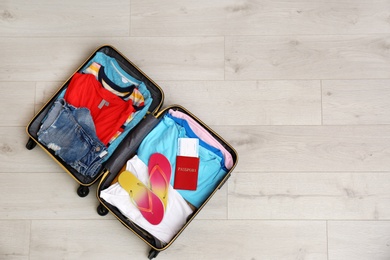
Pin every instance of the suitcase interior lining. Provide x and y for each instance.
(156, 94)
(129, 145)
(128, 151)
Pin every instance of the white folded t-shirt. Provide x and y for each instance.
(175, 215)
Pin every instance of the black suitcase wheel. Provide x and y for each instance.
(101, 210)
(82, 191)
(153, 253)
(30, 144)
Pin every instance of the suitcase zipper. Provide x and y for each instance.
(224, 180)
(61, 89)
(120, 220)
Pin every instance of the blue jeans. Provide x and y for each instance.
(70, 133)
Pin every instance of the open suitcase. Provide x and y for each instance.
(147, 131)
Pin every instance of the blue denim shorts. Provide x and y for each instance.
(70, 133)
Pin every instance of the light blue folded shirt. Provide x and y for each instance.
(164, 139)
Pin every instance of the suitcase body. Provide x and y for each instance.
(156, 98)
(135, 139)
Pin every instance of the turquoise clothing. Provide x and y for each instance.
(191, 134)
(122, 79)
(164, 139)
(113, 70)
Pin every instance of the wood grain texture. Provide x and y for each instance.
(309, 148)
(52, 195)
(258, 17)
(63, 239)
(249, 102)
(251, 239)
(356, 102)
(307, 57)
(216, 207)
(359, 240)
(299, 88)
(320, 195)
(14, 239)
(14, 156)
(17, 102)
(64, 18)
(44, 92)
(44, 196)
(161, 58)
(88, 239)
(44, 59)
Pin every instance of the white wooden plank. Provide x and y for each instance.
(216, 207)
(87, 239)
(44, 196)
(44, 59)
(14, 239)
(234, 17)
(247, 102)
(64, 18)
(327, 195)
(309, 148)
(14, 156)
(69, 239)
(44, 92)
(359, 240)
(353, 102)
(293, 173)
(17, 102)
(53, 196)
(161, 58)
(307, 57)
(250, 240)
(177, 58)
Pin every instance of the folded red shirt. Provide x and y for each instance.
(108, 111)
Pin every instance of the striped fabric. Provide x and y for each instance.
(130, 93)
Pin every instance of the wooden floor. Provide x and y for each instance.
(300, 88)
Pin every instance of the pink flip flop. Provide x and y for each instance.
(150, 206)
(159, 176)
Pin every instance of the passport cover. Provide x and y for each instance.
(186, 173)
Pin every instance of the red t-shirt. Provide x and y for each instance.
(108, 111)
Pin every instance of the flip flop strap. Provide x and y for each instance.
(154, 169)
(149, 210)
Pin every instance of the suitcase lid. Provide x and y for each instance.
(133, 70)
(130, 68)
(130, 143)
(128, 149)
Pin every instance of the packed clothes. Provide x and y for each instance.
(164, 139)
(70, 133)
(214, 159)
(114, 103)
(176, 213)
(88, 120)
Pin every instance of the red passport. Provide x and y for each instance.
(186, 173)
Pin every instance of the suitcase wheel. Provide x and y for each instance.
(101, 210)
(153, 253)
(30, 144)
(82, 191)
